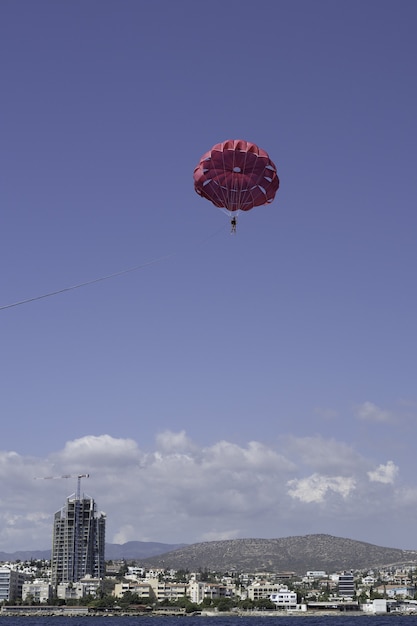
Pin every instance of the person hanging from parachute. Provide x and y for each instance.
(233, 224)
(236, 176)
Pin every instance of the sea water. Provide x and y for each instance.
(341, 619)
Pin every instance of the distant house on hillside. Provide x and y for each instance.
(396, 591)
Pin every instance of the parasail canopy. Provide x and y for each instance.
(236, 175)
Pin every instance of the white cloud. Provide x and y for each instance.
(101, 450)
(182, 493)
(370, 412)
(384, 473)
(174, 442)
(125, 533)
(324, 455)
(406, 496)
(314, 488)
(255, 457)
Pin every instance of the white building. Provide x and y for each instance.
(262, 590)
(91, 585)
(70, 591)
(376, 607)
(198, 591)
(316, 574)
(167, 590)
(135, 572)
(38, 590)
(143, 590)
(11, 583)
(284, 599)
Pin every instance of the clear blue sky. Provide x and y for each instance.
(297, 334)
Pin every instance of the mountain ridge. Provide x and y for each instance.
(296, 554)
(130, 550)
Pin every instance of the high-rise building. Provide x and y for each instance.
(78, 541)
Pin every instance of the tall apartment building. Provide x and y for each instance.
(11, 582)
(78, 541)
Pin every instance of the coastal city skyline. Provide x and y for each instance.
(214, 385)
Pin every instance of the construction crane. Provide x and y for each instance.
(77, 476)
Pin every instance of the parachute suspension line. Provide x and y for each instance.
(233, 221)
(129, 270)
(254, 163)
(219, 193)
(232, 214)
(240, 186)
(219, 190)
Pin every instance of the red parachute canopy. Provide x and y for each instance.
(236, 175)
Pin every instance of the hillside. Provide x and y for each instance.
(296, 554)
(130, 550)
(138, 549)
